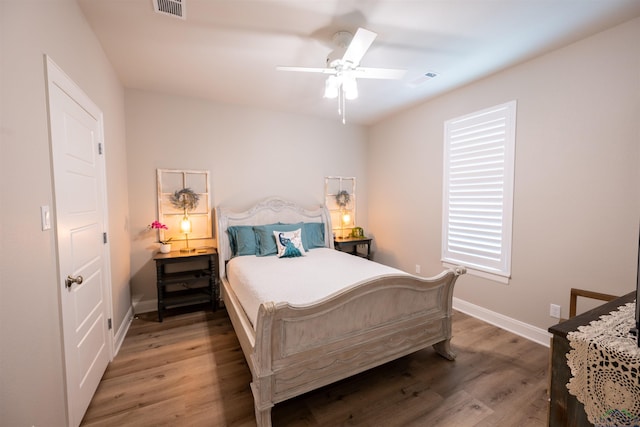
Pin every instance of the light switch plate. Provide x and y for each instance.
(45, 215)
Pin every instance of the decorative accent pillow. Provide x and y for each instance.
(289, 243)
(265, 241)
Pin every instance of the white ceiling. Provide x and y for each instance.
(228, 50)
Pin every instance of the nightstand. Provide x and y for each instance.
(350, 245)
(186, 278)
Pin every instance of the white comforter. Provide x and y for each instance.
(298, 281)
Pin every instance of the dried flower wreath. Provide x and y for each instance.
(343, 198)
(185, 199)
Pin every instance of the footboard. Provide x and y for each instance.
(298, 349)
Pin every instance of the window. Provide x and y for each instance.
(478, 190)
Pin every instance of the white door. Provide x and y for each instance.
(83, 264)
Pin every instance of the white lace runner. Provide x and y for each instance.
(605, 369)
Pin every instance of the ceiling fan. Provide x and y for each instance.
(343, 67)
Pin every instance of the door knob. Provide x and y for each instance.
(71, 280)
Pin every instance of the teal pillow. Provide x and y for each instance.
(242, 240)
(313, 235)
(266, 242)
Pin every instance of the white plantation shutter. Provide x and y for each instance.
(478, 189)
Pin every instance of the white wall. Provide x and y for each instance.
(31, 367)
(251, 154)
(577, 180)
(577, 177)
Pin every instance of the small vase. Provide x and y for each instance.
(165, 248)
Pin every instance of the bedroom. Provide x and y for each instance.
(575, 193)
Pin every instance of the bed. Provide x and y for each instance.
(295, 347)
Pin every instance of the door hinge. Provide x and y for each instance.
(99, 147)
(109, 324)
(104, 238)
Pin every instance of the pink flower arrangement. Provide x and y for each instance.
(160, 226)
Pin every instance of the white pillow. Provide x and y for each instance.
(289, 243)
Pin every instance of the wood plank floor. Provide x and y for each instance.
(190, 371)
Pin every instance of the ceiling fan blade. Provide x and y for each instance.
(379, 73)
(308, 70)
(359, 46)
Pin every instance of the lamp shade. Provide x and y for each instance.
(185, 224)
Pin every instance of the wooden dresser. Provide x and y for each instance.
(564, 409)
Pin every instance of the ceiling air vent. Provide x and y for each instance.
(175, 8)
(423, 79)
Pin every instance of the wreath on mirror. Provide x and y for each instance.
(185, 199)
(343, 198)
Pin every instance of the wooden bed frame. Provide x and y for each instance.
(296, 349)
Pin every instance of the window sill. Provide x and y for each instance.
(479, 273)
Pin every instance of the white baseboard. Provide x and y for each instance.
(122, 331)
(535, 334)
(146, 306)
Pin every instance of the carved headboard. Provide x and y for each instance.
(268, 211)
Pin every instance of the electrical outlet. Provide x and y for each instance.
(417, 268)
(554, 311)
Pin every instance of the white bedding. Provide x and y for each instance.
(298, 281)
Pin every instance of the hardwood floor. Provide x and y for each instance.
(190, 371)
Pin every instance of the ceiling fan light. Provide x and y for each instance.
(331, 87)
(350, 88)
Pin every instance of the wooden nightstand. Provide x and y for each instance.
(186, 279)
(350, 245)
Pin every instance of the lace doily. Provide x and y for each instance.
(605, 369)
